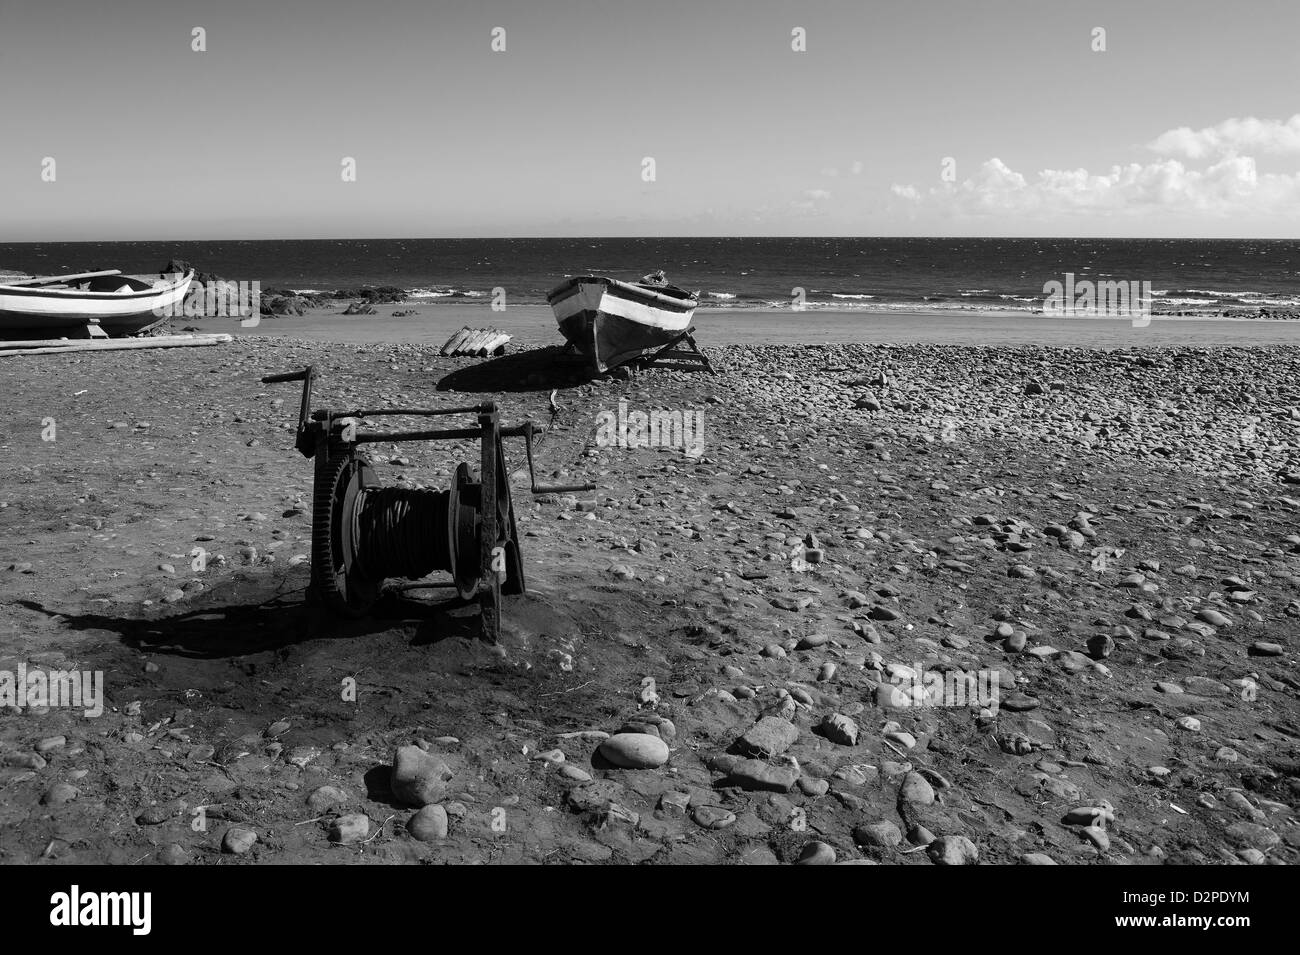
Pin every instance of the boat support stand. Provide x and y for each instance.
(672, 352)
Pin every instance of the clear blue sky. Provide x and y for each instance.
(153, 140)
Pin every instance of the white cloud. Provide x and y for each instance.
(1231, 186)
(1230, 138)
(815, 194)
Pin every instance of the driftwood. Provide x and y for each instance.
(479, 342)
(9, 349)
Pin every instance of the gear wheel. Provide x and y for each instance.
(335, 577)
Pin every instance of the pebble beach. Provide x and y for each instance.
(707, 665)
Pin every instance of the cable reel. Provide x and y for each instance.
(365, 533)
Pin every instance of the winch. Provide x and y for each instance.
(363, 533)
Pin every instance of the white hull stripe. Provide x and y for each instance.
(597, 298)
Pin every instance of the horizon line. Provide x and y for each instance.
(658, 238)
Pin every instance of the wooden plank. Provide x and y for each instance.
(94, 330)
(43, 342)
(449, 348)
(114, 344)
(464, 340)
(469, 345)
(73, 277)
(493, 343)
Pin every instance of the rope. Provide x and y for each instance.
(403, 532)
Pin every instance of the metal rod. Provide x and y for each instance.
(307, 376)
(449, 434)
(304, 407)
(525, 431)
(287, 376)
(420, 412)
(452, 434)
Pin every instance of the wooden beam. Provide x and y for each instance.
(9, 349)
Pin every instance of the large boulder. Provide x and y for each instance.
(180, 266)
(374, 294)
(283, 305)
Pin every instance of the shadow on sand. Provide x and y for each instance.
(241, 617)
(533, 370)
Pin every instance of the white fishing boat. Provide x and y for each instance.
(614, 322)
(115, 303)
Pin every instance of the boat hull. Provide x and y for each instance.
(614, 322)
(37, 309)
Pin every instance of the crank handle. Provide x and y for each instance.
(305, 445)
(525, 431)
(561, 488)
(287, 376)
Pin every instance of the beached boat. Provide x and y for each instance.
(613, 322)
(119, 304)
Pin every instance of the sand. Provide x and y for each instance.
(534, 324)
(1112, 533)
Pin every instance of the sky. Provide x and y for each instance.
(899, 117)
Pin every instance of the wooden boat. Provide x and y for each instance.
(613, 322)
(119, 304)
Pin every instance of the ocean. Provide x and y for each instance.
(1187, 276)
